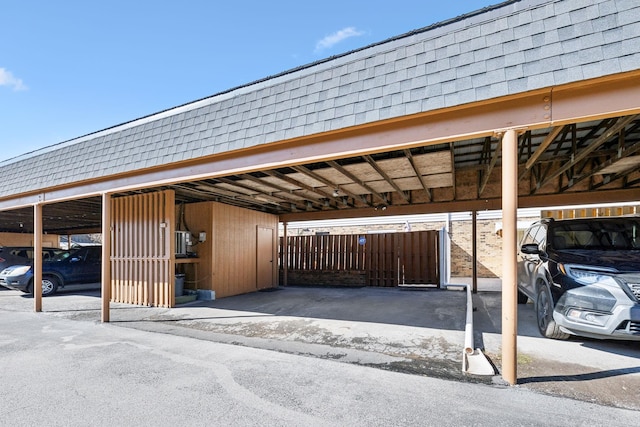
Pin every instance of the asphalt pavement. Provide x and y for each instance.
(391, 331)
(56, 371)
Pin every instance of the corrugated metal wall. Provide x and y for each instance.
(142, 248)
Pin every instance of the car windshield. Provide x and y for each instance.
(61, 256)
(596, 234)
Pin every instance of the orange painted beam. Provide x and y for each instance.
(596, 99)
(534, 201)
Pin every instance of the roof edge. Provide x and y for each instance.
(329, 59)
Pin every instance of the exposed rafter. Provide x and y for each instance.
(302, 185)
(629, 151)
(608, 179)
(416, 170)
(548, 140)
(386, 177)
(283, 192)
(582, 154)
(303, 170)
(229, 195)
(357, 180)
(258, 195)
(492, 164)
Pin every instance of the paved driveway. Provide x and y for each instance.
(61, 372)
(419, 332)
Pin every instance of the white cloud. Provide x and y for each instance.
(335, 38)
(8, 79)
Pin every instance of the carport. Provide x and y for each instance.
(499, 108)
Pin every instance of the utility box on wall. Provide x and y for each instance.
(183, 243)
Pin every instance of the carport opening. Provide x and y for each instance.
(68, 227)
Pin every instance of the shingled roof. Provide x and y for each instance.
(510, 48)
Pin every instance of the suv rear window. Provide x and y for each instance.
(598, 234)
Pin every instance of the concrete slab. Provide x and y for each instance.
(390, 328)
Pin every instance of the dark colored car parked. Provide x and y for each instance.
(583, 276)
(19, 255)
(12, 255)
(82, 265)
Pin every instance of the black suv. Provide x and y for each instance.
(583, 276)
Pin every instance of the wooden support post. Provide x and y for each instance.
(37, 257)
(285, 256)
(509, 244)
(474, 251)
(106, 256)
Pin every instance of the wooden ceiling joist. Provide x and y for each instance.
(357, 180)
(620, 124)
(259, 197)
(386, 177)
(490, 166)
(416, 170)
(283, 177)
(303, 170)
(282, 192)
(548, 140)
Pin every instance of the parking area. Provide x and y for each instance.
(413, 331)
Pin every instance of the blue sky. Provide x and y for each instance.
(68, 68)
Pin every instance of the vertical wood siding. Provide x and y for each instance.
(234, 250)
(142, 263)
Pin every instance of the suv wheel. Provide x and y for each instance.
(49, 286)
(544, 313)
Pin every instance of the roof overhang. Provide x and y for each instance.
(443, 161)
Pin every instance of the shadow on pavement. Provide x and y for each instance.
(429, 308)
(580, 377)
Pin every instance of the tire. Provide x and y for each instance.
(544, 314)
(522, 298)
(49, 286)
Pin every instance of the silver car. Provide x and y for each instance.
(583, 275)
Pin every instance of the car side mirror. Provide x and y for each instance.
(530, 249)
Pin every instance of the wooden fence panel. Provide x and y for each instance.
(419, 258)
(389, 259)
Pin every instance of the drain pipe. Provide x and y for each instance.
(473, 359)
(468, 327)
